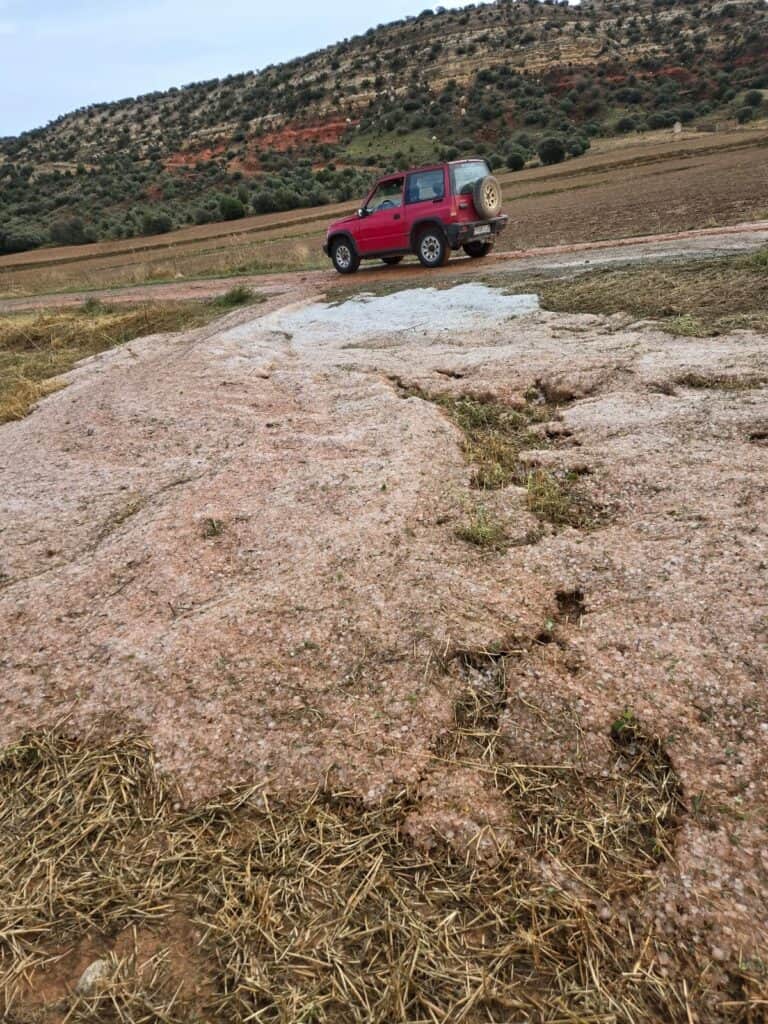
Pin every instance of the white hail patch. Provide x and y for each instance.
(465, 307)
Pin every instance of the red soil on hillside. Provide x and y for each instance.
(291, 137)
(188, 158)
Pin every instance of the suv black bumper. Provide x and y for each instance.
(460, 234)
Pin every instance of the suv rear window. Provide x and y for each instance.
(464, 175)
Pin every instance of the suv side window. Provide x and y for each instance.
(388, 195)
(425, 186)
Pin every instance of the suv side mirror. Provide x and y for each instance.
(362, 212)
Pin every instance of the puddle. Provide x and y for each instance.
(465, 307)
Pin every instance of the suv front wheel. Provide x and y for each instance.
(432, 248)
(344, 257)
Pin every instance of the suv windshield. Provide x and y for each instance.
(464, 175)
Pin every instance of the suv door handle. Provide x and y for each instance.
(396, 217)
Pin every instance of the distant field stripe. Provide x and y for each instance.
(225, 229)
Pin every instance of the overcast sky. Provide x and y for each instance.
(57, 55)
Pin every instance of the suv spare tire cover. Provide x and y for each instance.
(487, 197)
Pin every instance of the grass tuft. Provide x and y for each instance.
(721, 381)
(240, 295)
(495, 436)
(556, 498)
(483, 530)
(685, 326)
(212, 528)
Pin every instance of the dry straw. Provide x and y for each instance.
(324, 911)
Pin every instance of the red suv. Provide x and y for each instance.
(428, 211)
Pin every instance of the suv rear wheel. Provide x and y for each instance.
(478, 249)
(432, 248)
(344, 256)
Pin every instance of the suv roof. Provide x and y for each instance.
(433, 167)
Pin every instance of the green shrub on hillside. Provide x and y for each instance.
(515, 159)
(551, 150)
(21, 240)
(71, 231)
(231, 208)
(156, 224)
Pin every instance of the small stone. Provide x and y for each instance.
(94, 977)
(605, 913)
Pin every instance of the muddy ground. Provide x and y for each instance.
(249, 543)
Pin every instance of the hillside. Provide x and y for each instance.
(495, 79)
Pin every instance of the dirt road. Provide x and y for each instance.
(677, 245)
